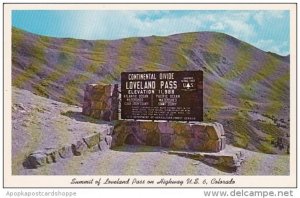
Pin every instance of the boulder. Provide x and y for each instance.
(65, 151)
(52, 155)
(95, 148)
(45, 156)
(108, 140)
(92, 140)
(108, 130)
(41, 158)
(35, 160)
(103, 146)
(79, 148)
(227, 160)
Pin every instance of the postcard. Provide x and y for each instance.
(150, 95)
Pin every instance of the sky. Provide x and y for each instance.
(268, 30)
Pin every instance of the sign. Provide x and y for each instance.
(167, 95)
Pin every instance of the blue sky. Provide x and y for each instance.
(267, 30)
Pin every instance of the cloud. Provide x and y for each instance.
(240, 29)
(261, 17)
(271, 45)
(166, 23)
(234, 23)
(217, 26)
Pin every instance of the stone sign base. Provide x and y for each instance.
(200, 136)
(101, 101)
(190, 138)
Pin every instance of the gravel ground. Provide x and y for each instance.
(39, 123)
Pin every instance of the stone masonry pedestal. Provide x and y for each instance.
(101, 101)
(199, 136)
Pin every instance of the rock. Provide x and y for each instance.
(227, 160)
(109, 130)
(96, 105)
(131, 139)
(86, 109)
(213, 132)
(101, 101)
(164, 127)
(52, 155)
(14, 108)
(212, 146)
(179, 143)
(175, 135)
(95, 113)
(103, 145)
(196, 144)
(92, 139)
(152, 139)
(183, 130)
(79, 148)
(106, 115)
(211, 159)
(223, 142)
(19, 106)
(144, 130)
(41, 158)
(108, 140)
(166, 140)
(95, 148)
(230, 160)
(65, 151)
(35, 160)
(219, 128)
(240, 155)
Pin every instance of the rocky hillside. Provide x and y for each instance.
(245, 88)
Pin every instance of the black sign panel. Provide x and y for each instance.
(168, 95)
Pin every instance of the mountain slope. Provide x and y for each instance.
(245, 88)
